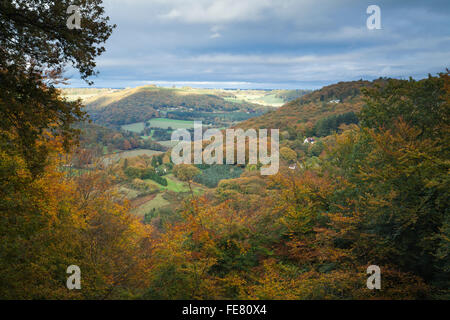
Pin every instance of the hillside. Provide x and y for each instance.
(119, 107)
(290, 95)
(303, 113)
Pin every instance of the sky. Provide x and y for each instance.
(269, 44)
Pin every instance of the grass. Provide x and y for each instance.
(173, 184)
(168, 143)
(129, 193)
(108, 159)
(156, 203)
(257, 97)
(165, 123)
(138, 152)
(272, 99)
(134, 127)
(235, 100)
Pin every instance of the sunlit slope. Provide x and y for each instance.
(304, 112)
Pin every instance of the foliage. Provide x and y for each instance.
(289, 95)
(330, 124)
(302, 114)
(288, 154)
(144, 103)
(211, 175)
(51, 222)
(103, 140)
(375, 196)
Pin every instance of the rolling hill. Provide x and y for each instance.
(303, 113)
(119, 107)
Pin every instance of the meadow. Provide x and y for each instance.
(114, 157)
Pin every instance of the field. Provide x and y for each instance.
(85, 94)
(128, 154)
(273, 100)
(261, 97)
(172, 123)
(134, 127)
(163, 123)
(156, 203)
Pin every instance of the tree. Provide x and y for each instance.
(35, 31)
(397, 167)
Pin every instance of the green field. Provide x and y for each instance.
(134, 127)
(235, 100)
(168, 143)
(163, 123)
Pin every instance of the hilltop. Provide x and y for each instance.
(303, 113)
